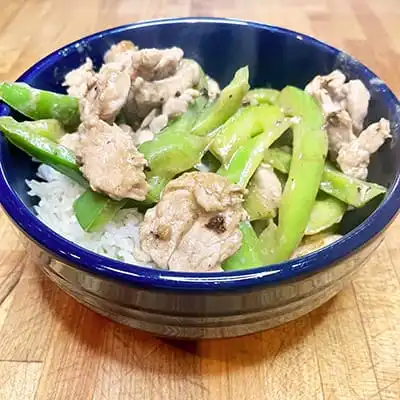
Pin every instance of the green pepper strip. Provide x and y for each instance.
(245, 161)
(262, 96)
(310, 148)
(256, 205)
(352, 191)
(42, 148)
(49, 128)
(225, 106)
(268, 242)
(174, 150)
(239, 171)
(249, 254)
(41, 104)
(93, 210)
(247, 158)
(327, 212)
(247, 123)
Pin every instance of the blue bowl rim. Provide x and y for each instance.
(72, 254)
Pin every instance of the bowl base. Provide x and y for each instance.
(192, 328)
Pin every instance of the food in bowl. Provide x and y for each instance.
(147, 161)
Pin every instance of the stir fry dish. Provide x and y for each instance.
(146, 160)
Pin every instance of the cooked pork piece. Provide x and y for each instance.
(356, 103)
(178, 105)
(213, 88)
(211, 191)
(70, 141)
(340, 130)
(329, 91)
(144, 95)
(165, 224)
(345, 106)
(353, 157)
(269, 185)
(120, 51)
(207, 243)
(110, 161)
(80, 80)
(108, 95)
(156, 64)
(195, 226)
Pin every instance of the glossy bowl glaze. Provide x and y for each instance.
(189, 305)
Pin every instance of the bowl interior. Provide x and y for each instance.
(275, 57)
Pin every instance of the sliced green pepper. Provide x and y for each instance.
(93, 210)
(41, 104)
(295, 103)
(278, 159)
(256, 205)
(310, 148)
(245, 161)
(327, 211)
(268, 242)
(156, 186)
(262, 96)
(42, 148)
(234, 132)
(49, 128)
(249, 254)
(247, 158)
(225, 106)
(247, 123)
(174, 150)
(175, 155)
(352, 191)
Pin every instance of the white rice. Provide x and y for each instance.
(119, 239)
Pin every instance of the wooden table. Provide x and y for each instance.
(53, 348)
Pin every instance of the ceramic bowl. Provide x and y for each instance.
(189, 305)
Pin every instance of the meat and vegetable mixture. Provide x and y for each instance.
(148, 156)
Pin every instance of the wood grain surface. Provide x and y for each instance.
(52, 348)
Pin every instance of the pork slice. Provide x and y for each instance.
(144, 95)
(110, 161)
(195, 226)
(156, 64)
(120, 51)
(353, 158)
(164, 225)
(356, 103)
(209, 241)
(80, 80)
(339, 128)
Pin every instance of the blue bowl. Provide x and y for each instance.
(193, 305)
